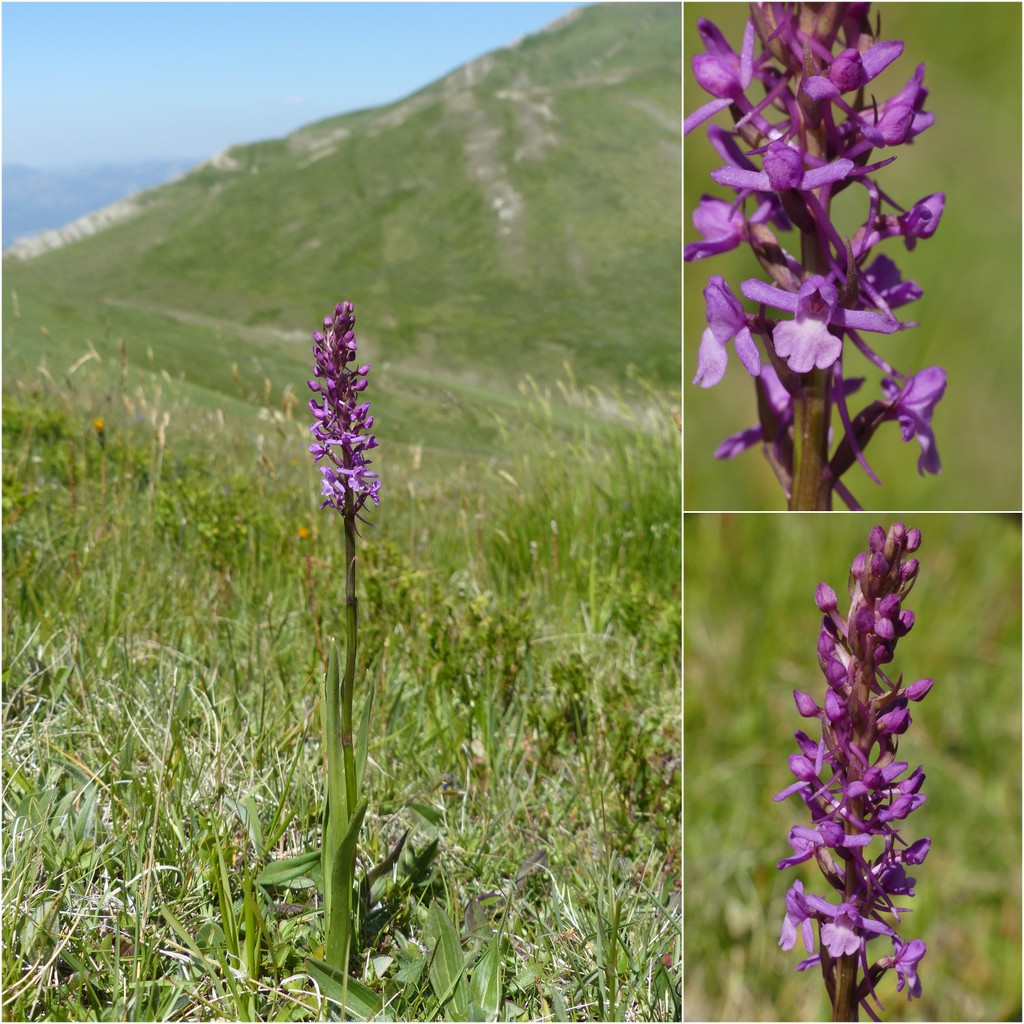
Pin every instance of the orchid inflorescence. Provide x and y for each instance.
(808, 135)
(342, 426)
(850, 781)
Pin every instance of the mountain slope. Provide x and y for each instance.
(522, 211)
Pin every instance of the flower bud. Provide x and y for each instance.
(879, 564)
(836, 674)
(859, 565)
(806, 705)
(916, 691)
(847, 71)
(864, 620)
(835, 707)
(784, 166)
(825, 598)
(894, 722)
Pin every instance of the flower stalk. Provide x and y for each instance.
(850, 782)
(810, 445)
(808, 126)
(348, 681)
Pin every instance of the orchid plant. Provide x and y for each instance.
(856, 791)
(341, 439)
(807, 125)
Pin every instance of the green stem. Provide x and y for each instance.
(336, 919)
(348, 683)
(845, 1005)
(811, 490)
(844, 1002)
(344, 817)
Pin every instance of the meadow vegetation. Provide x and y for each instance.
(169, 589)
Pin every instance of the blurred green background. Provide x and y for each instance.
(750, 634)
(970, 314)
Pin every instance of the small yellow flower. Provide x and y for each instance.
(101, 430)
(304, 533)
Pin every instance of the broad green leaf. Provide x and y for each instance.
(255, 929)
(252, 821)
(447, 965)
(409, 971)
(485, 983)
(358, 1000)
(85, 820)
(558, 1003)
(334, 819)
(335, 753)
(477, 922)
(290, 870)
(341, 882)
(535, 862)
(375, 882)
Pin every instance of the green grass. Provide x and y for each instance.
(167, 601)
(750, 628)
(969, 317)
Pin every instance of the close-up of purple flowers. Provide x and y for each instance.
(807, 126)
(856, 791)
(342, 424)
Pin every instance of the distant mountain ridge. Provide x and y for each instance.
(522, 212)
(37, 200)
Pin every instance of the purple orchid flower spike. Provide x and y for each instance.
(857, 793)
(808, 122)
(342, 420)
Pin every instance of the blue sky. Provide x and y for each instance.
(96, 82)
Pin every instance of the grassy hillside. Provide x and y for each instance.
(520, 213)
